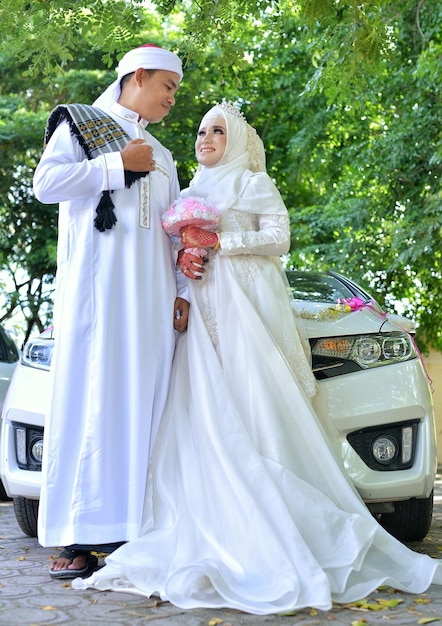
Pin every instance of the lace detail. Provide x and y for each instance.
(238, 221)
(242, 235)
(299, 363)
(207, 312)
(256, 153)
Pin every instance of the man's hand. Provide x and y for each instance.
(190, 264)
(137, 156)
(180, 314)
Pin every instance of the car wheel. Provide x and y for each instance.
(411, 519)
(26, 513)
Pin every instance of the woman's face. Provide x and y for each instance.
(211, 141)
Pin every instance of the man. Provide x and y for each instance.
(118, 303)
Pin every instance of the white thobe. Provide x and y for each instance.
(115, 340)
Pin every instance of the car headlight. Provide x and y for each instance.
(368, 350)
(38, 353)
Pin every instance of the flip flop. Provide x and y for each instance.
(69, 553)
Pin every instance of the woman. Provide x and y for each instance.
(247, 506)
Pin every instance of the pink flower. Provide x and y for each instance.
(190, 210)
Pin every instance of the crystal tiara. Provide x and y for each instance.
(231, 108)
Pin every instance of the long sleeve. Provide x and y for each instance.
(257, 220)
(65, 174)
(272, 237)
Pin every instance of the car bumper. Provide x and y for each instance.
(16, 481)
(377, 397)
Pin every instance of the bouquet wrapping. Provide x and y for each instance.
(190, 211)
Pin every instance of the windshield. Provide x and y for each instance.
(319, 287)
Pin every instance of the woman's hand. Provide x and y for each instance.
(190, 264)
(195, 237)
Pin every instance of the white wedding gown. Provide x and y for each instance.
(246, 505)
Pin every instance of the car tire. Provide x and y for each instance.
(26, 513)
(411, 519)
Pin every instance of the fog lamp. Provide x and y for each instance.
(384, 449)
(20, 444)
(407, 444)
(37, 450)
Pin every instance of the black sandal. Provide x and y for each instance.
(71, 554)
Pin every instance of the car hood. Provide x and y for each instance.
(327, 320)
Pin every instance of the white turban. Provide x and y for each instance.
(149, 57)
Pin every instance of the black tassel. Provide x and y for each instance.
(105, 213)
(131, 177)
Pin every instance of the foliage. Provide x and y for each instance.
(45, 34)
(27, 236)
(353, 35)
(346, 96)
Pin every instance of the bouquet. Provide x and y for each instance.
(190, 211)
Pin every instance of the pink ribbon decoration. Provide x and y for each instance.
(356, 304)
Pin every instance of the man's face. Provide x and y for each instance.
(156, 95)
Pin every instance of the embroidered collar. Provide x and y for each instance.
(128, 115)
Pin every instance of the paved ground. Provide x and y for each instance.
(28, 597)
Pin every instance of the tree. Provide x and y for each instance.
(356, 154)
(354, 36)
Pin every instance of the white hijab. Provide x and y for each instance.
(239, 180)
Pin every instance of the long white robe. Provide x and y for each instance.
(115, 340)
(246, 504)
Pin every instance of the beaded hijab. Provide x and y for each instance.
(239, 180)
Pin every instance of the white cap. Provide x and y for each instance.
(149, 57)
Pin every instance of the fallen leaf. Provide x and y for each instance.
(48, 608)
(357, 604)
(21, 558)
(287, 614)
(214, 621)
(359, 622)
(313, 612)
(428, 620)
(422, 600)
(390, 603)
(375, 607)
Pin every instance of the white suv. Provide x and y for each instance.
(9, 356)
(372, 383)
